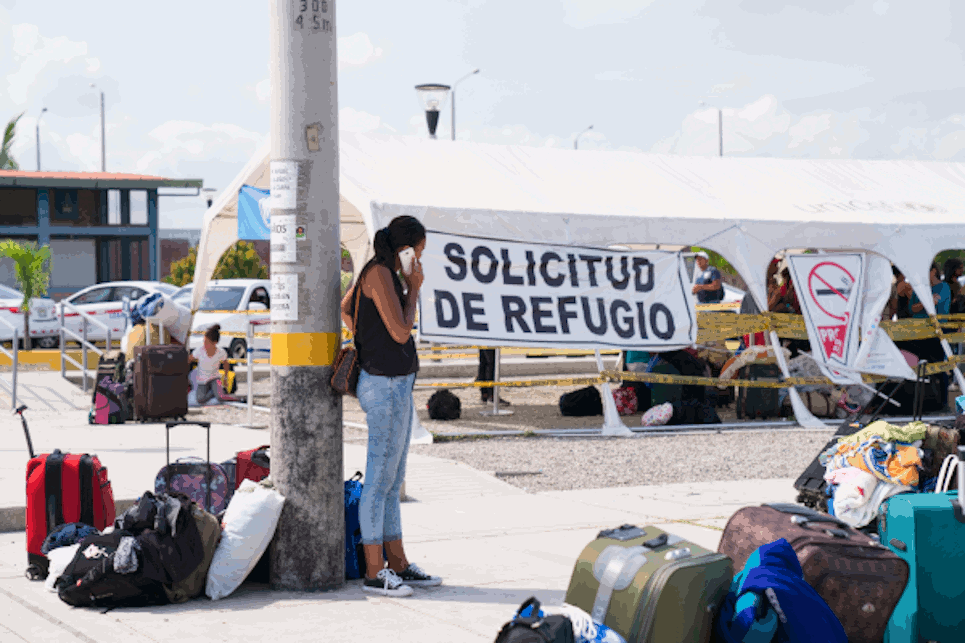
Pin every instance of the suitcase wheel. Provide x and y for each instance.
(33, 572)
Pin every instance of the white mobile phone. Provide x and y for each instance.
(407, 259)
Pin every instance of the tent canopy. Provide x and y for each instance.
(747, 209)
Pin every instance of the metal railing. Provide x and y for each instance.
(250, 363)
(85, 345)
(13, 354)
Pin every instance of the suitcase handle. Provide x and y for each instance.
(809, 514)
(167, 451)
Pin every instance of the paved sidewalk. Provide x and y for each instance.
(495, 544)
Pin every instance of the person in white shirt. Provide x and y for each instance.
(210, 357)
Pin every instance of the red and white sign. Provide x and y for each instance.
(829, 289)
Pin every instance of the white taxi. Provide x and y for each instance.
(44, 329)
(230, 303)
(105, 303)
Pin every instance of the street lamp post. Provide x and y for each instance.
(103, 138)
(476, 71)
(720, 129)
(433, 96)
(576, 140)
(207, 195)
(38, 136)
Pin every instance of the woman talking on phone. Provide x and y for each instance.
(388, 365)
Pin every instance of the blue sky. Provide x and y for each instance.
(186, 83)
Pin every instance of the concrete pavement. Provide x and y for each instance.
(495, 544)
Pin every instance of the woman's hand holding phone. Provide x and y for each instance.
(411, 269)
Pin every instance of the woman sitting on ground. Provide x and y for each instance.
(210, 357)
(388, 365)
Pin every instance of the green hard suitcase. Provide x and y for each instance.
(650, 586)
(927, 530)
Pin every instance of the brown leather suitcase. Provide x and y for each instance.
(160, 382)
(859, 579)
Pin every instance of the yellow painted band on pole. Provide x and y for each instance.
(304, 349)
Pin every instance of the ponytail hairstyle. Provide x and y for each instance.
(403, 231)
(213, 333)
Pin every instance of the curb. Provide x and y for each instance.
(15, 518)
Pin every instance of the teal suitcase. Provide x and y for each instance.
(927, 530)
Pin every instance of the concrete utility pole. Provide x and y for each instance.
(308, 552)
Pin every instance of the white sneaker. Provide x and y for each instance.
(387, 583)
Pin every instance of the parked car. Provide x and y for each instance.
(44, 328)
(222, 295)
(105, 303)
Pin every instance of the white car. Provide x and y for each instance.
(105, 303)
(223, 295)
(44, 329)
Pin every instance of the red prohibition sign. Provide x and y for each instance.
(818, 285)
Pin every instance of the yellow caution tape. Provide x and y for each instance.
(566, 381)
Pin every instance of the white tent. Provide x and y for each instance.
(747, 209)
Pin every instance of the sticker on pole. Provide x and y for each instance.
(284, 297)
(283, 238)
(829, 290)
(284, 184)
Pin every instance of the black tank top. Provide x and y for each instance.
(379, 354)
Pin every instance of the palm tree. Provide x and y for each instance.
(7, 162)
(32, 269)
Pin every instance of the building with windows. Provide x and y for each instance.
(99, 226)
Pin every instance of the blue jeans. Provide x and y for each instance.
(387, 402)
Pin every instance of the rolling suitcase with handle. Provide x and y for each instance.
(160, 382)
(650, 586)
(203, 481)
(860, 580)
(927, 530)
(62, 488)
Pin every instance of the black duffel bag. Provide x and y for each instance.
(443, 405)
(581, 403)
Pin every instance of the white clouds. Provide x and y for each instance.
(36, 53)
(352, 120)
(614, 75)
(183, 143)
(93, 64)
(880, 7)
(263, 90)
(357, 50)
(586, 13)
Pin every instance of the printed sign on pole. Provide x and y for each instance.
(505, 293)
(829, 289)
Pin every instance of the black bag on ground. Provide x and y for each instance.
(443, 405)
(694, 412)
(759, 402)
(90, 580)
(581, 403)
(554, 628)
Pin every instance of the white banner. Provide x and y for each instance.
(878, 354)
(505, 293)
(829, 289)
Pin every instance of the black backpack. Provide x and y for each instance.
(555, 628)
(90, 580)
(443, 405)
(581, 403)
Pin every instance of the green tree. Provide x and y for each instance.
(7, 162)
(32, 270)
(240, 261)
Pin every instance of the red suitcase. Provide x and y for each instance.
(252, 465)
(64, 488)
(860, 580)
